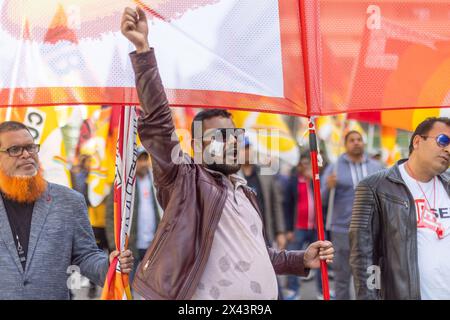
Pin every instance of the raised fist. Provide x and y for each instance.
(134, 27)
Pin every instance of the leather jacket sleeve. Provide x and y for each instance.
(363, 238)
(156, 128)
(288, 262)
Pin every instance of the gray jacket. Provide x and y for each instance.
(273, 200)
(60, 236)
(345, 189)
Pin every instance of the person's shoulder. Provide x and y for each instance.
(375, 163)
(445, 176)
(375, 166)
(343, 157)
(66, 201)
(331, 165)
(64, 193)
(376, 179)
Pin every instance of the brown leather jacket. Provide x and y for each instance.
(192, 198)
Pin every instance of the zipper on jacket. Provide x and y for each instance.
(399, 201)
(158, 247)
(187, 286)
(415, 268)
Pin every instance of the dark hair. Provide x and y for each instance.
(350, 133)
(143, 156)
(424, 127)
(8, 126)
(208, 114)
(83, 159)
(304, 155)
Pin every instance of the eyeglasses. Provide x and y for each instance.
(442, 140)
(17, 151)
(224, 134)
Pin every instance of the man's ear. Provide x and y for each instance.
(416, 141)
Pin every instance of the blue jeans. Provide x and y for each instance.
(302, 238)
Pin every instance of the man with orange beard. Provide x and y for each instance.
(44, 227)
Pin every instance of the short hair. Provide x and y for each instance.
(424, 127)
(208, 114)
(8, 126)
(305, 155)
(143, 156)
(350, 133)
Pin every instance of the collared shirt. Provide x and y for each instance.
(239, 265)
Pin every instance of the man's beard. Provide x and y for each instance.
(22, 189)
(226, 169)
(357, 152)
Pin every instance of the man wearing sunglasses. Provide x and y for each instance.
(44, 227)
(210, 242)
(400, 229)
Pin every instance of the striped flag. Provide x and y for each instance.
(117, 286)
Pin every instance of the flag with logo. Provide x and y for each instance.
(117, 286)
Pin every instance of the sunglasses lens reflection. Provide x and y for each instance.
(443, 140)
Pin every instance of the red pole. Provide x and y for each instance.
(318, 205)
(312, 139)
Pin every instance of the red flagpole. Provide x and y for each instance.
(313, 142)
(318, 205)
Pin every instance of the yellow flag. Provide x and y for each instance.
(269, 134)
(45, 129)
(101, 146)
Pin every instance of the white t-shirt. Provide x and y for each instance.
(146, 223)
(433, 240)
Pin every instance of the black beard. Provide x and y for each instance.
(226, 169)
(357, 153)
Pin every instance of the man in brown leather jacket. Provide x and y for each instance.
(210, 242)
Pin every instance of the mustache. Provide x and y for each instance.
(27, 163)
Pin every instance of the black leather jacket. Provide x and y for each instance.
(383, 233)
